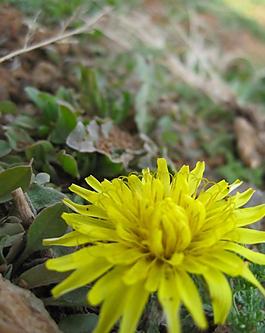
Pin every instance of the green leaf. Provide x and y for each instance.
(119, 111)
(66, 122)
(11, 229)
(143, 97)
(10, 160)
(39, 151)
(42, 178)
(46, 102)
(5, 148)
(39, 275)
(3, 241)
(10, 233)
(91, 99)
(48, 223)
(167, 132)
(75, 298)
(18, 138)
(13, 178)
(78, 323)
(42, 196)
(8, 107)
(7, 240)
(26, 122)
(68, 163)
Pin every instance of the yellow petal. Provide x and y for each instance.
(96, 229)
(176, 259)
(169, 298)
(224, 261)
(147, 176)
(235, 185)
(120, 254)
(242, 198)
(221, 294)
(246, 236)
(119, 215)
(195, 177)
(136, 300)
(70, 239)
(180, 185)
(256, 257)
(191, 265)
(86, 256)
(135, 184)
(94, 183)
(154, 276)
(246, 216)
(104, 286)
(88, 195)
(191, 298)
(176, 226)
(82, 276)
(73, 219)
(90, 210)
(162, 173)
(214, 193)
(70, 261)
(248, 275)
(196, 213)
(112, 309)
(137, 272)
(156, 241)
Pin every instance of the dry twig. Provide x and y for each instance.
(88, 25)
(22, 205)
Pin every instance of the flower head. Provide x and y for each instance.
(151, 233)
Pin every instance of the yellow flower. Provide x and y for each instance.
(148, 233)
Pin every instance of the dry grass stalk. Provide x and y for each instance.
(88, 25)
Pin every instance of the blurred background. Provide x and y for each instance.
(183, 79)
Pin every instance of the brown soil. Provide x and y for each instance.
(45, 69)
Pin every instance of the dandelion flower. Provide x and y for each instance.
(151, 233)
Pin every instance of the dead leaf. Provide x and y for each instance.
(104, 137)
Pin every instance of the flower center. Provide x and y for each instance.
(164, 228)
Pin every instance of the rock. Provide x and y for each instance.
(23, 312)
(247, 142)
(258, 198)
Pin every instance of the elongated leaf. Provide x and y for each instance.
(39, 275)
(46, 102)
(25, 121)
(69, 164)
(76, 298)
(18, 138)
(4, 148)
(39, 150)
(66, 122)
(11, 229)
(48, 223)
(13, 178)
(78, 323)
(43, 196)
(143, 98)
